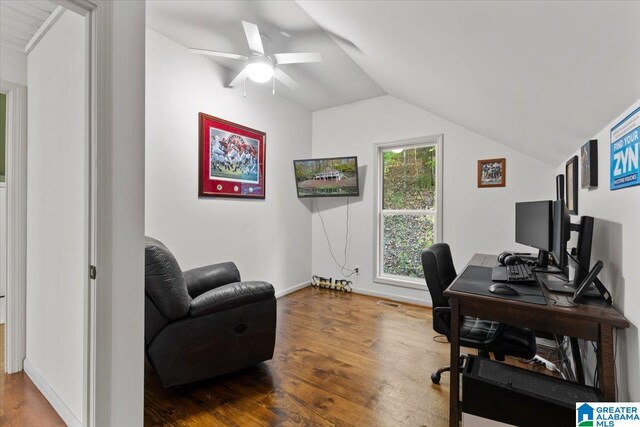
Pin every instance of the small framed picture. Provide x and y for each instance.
(571, 174)
(232, 159)
(492, 173)
(589, 164)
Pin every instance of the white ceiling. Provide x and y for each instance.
(541, 77)
(216, 25)
(20, 20)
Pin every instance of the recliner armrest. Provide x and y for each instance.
(202, 279)
(230, 296)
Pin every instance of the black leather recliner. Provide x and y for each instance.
(205, 322)
(485, 335)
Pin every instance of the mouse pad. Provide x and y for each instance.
(476, 280)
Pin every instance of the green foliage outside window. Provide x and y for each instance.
(405, 237)
(409, 183)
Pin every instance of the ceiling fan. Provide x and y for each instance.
(259, 66)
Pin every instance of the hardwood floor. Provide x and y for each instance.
(21, 403)
(340, 359)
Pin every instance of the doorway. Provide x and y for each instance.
(113, 374)
(47, 268)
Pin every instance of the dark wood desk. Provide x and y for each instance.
(592, 321)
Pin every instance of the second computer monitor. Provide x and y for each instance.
(534, 224)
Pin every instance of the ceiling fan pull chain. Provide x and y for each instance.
(273, 82)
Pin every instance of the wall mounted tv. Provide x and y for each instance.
(330, 177)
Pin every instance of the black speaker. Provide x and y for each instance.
(560, 187)
(520, 397)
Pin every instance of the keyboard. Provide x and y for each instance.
(519, 273)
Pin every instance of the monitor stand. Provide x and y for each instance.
(555, 284)
(542, 264)
(543, 259)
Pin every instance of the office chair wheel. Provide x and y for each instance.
(435, 378)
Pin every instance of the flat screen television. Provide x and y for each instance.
(329, 177)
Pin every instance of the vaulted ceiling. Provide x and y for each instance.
(541, 77)
(20, 20)
(216, 25)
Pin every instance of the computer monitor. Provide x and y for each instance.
(561, 234)
(534, 224)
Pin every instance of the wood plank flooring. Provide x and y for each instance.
(340, 360)
(21, 403)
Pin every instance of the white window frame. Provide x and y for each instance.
(378, 274)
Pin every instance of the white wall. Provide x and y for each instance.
(13, 66)
(268, 239)
(474, 220)
(57, 211)
(616, 243)
(120, 358)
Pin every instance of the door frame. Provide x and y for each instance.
(98, 17)
(16, 184)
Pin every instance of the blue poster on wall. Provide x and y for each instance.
(625, 147)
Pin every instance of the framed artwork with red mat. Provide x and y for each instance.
(232, 159)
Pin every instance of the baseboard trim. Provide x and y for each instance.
(3, 311)
(391, 297)
(60, 407)
(423, 302)
(291, 289)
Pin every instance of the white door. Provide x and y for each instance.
(58, 214)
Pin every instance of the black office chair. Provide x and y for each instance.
(484, 335)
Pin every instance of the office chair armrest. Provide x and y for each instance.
(497, 336)
(442, 320)
(203, 279)
(442, 325)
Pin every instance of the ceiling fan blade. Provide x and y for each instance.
(297, 58)
(253, 37)
(220, 54)
(285, 79)
(237, 79)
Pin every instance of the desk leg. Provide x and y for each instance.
(454, 390)
(606, 363)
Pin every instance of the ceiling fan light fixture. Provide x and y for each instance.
(260, 70)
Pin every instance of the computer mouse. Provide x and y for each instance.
(502, 289)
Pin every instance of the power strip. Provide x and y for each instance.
(328, 283)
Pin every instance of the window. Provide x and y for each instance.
(408, 208)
